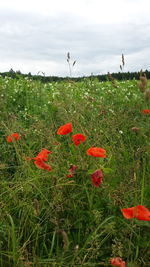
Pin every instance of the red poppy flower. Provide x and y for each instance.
(40, 158)
(146, 111)
(129, 213)
(43, 155)
(42, 165)
(78, 138)
(139, 212)
(13, 136)
(117, 262)
(96, 152)
(97, 178)
(65, 129)
(71, 171)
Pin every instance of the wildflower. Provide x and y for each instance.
(135, 129)
(43, 155)
(96, 152)
(117, 262)
(71, 171)
(65, 129)
(78, 138)
(146, 111)
(40, 159)
(139, 212)
(42, 165)
(97, 178)
(13, 136)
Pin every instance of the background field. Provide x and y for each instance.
(48, 219)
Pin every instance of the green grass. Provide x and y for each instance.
(48, 219)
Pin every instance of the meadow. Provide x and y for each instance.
(58, 211)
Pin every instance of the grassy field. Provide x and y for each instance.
(50, 219)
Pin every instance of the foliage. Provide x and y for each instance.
(40, 76)
(49, 219)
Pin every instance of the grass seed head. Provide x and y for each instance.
(143, 80)
(123, 62)
(147, 94)
(141, 87)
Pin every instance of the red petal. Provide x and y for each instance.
(129, 213)
(96, 152)
(97, 178)
(143, 213)
(9, 139)
(71, 171)
(43, 155)
(140, 212)
(117, 262)
(42, 165)
(78, 138)
(13, 136)
(65, 129)
(16, 136)
(146, 111)
(96, 182)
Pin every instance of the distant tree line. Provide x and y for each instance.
(102, 77)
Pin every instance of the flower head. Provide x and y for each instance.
(40, 159)
(146, 111)
(135, 129)
(13, 136)
(117, 262)
(139, 212)
(43, 155)
(65, 129)
(71, 171)
(78, 138)
(96, 152)
(97, 178)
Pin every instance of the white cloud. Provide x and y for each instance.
(36, 35)
(139, 60)
(92, 10)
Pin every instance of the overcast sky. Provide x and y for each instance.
(36, 36)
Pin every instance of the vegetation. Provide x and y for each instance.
(49, 218)
(40, 76)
